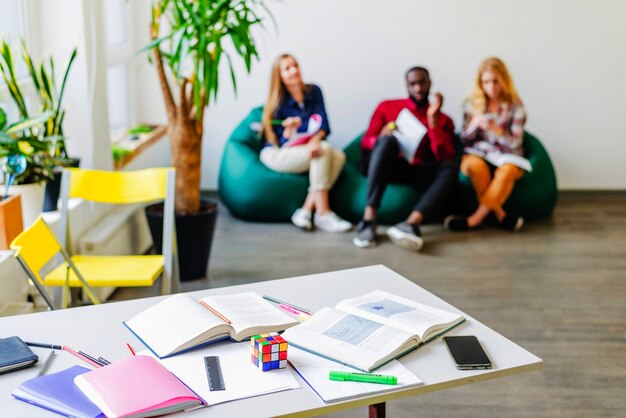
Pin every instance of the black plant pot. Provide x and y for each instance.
(194, 235)
(53, 187)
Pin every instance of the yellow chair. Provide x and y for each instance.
(117, 187)
(36, 248)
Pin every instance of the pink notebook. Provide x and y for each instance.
(138, 386)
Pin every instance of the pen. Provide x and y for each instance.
(292, 310)
(278, 301)
(130, 349)
(92, 358)
(219, 315)
(80, 356)
(43, 345)
(103, 360)
(45, 366)
(363, 377)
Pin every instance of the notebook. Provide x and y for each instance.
(180, 322)
(368, 331)
(57, 392)
(409, 133)
(15, 355)
(241, 378)
(315, 370)
(138, 386)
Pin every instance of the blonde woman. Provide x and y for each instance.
(295, 126)
(494, 119)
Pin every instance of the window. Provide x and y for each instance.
(12, 24)
(120, 52)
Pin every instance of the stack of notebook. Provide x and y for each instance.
(138, 386)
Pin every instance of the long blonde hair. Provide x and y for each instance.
(478, 98)
(277, 94)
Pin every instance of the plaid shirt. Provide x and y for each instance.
(511, 118)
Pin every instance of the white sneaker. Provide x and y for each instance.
(302, 219)
(330, 222)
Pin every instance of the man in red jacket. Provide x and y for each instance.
(430, 170)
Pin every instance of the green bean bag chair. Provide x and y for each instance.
(253, 192)
(249, 189)
(534, 195)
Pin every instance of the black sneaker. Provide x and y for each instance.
(512, 222)
(456, 223)
(365, 234)
(406, 235)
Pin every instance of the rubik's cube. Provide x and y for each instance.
(269, 351)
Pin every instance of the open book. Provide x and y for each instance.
(409, 133)
(368, 331)
(180, 322)
(500, 158)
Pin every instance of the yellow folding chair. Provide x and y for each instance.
(36, 249)
(117, 187)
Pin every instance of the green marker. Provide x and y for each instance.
(363, 377)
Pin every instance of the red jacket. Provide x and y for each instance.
(438, 143)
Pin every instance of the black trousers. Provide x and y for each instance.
(384, 165)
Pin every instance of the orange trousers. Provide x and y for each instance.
(491, 192)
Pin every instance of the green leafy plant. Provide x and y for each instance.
(20, 138)
(49, 94)
(200, 33)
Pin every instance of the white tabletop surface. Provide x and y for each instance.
(98, 330)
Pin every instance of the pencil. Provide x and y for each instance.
(80, 356)
(219, 315)
(46, 365)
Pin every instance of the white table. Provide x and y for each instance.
(98, 330)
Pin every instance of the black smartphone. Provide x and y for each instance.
(467, 352)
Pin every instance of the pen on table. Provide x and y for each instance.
(43, 345)
(278, 301)
(92, 358)
(47, 363)
(105, 361)
(130, 349)
(292, 310)
(219, 315)
(80, 356)
(363, 377)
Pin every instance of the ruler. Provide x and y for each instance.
(214, 373)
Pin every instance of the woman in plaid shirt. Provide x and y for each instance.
(494, 119)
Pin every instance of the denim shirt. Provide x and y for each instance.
(313, 103)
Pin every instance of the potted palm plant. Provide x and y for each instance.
(187, 52)
(50, 98)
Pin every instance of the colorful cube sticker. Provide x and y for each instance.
(268, 351)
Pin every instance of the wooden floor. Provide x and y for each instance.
(557, 288)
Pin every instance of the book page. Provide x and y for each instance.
(249, 314)
(241, 378)
(174, 324)
(506, 158)
(315, 370)
(349, 339)
(409, 133)
(396, 311)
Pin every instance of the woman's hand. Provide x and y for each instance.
(315, 147)
(490, 124)
(291, 125)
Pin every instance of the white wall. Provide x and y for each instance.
(567, 57)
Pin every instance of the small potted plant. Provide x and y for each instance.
(25, 161)
(189, 50)
(50, 98)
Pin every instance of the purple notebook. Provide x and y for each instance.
(57, 392)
